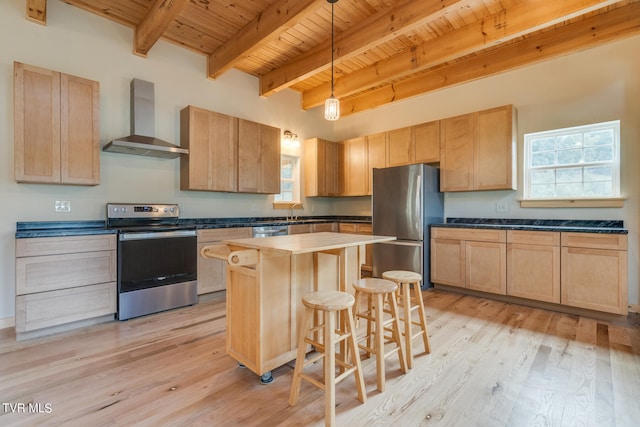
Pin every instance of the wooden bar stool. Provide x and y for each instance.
(331, 304)
(378, 292)
(408, 281)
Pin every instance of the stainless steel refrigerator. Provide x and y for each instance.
(406, 199)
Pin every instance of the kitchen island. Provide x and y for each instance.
(266, 279)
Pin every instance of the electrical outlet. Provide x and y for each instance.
(501, 206)
(62, 206)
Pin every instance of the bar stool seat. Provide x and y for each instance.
(379, 292)
(326, 306)
(410, 299)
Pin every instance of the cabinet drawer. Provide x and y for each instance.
(64, 245)
(365, 229)
(299, 228)
(595, 241)
(324, 226)
(46, 309)
(217, 234)
(51, 272)
(546, 238)
(345, 227)
(471, 234)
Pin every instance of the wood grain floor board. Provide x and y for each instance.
(492, 364)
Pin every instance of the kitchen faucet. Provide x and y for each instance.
(291, 217)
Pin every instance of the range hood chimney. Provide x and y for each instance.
(142, 141)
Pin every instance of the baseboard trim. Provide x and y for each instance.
(7, 322)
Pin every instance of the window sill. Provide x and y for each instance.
(573, 203)
(287, 205)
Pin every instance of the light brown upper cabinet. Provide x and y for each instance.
(228, 154)
(356, 174)
(56, 127)
(258, 158)
(212, 162)
(320, 167)
(376, 155)
(426, 138)
(478, 151)
(400, 147)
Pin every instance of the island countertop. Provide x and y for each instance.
(308, 242)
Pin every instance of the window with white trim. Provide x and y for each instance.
(581, 162)
(289, 180)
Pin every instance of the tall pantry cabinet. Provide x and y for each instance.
(56, 127)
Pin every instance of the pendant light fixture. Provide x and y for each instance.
(332, 105)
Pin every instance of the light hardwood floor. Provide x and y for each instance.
(492, 364)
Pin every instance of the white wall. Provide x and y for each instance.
(599, 84)
(596, 85)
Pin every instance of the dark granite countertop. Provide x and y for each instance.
(79, 228)
(566, 225)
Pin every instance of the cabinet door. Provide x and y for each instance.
(400, 149)
(494, 149)
(486, 267)
(330, 167)
(79, 130)
(376, 156)
(357, 177)
(456, 153)
(258, 158)
(447, 262)
(533, 272)
(427, 142)
(195, 168)
(313, 155)
(223, 152)
(36, 124)
(594, 279)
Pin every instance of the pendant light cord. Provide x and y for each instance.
(332, 46)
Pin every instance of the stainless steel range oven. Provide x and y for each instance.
(157, 258)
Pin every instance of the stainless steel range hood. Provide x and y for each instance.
(142, 141)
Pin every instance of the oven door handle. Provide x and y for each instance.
(157, 235)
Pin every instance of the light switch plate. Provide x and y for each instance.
(62, 206)
(501, 206)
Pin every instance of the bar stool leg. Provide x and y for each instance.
(379, 341)
(353, 347)
(423, 317)
(302, 350)
(329, 369)
(406, 307)
(396, 334)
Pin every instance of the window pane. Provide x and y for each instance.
(543, 144)
(569, 190)
(286, 186)
(569, 175)
(542, 191)
(602, 137)
(545, 158)
(569, 141)
(543, 176)
(569, 157)
(598, 173)
(598, 154)
(598, 189)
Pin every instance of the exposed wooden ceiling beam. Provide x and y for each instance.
(379, 28)
(160, 15)
(266, 27)
(37, 11)
(592, 31)
(526, 17)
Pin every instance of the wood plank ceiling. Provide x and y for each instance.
(385, 50)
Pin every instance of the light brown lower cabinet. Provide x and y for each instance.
(582, 270)
(64, 282)
(469, 258)
(533, 265)
(594, 271)
(212, 273)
